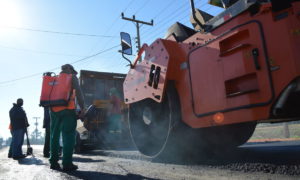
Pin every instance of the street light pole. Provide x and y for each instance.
(36, 125)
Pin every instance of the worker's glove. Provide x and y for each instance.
(81, 114)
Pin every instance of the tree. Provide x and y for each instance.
(36, 137)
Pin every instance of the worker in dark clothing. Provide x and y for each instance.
(63, 119)
(19, 123)
(46, 125)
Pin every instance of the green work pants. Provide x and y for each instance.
(114, 122)
(62, 122)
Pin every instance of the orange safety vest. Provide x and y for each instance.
(71, 104)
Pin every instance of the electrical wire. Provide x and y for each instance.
(128, 5)
(164, 9)
(113, 23)
(93, 55)
(36, 51)
(74, 62)
(176, 13)
(159, 24)
(159, 31)
(118, 17)
(144, 5)
(77, 34)
(158, 14)
(59, 32)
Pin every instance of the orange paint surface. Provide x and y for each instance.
(219, 72)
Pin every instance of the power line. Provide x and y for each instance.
(164, 9)
(93, 55)
(74, 62)
(144, 5)
(59, 32)
(172, 15)
(161, 28)
(128, 5)
(108, 29)
(158, 14)
(117, 18)
(36, 51)
(177, 12)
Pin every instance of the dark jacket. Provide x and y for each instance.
(18, 118)
(46, 123)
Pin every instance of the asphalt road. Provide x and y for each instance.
(278, 160)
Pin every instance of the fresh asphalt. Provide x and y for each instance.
(268, 160)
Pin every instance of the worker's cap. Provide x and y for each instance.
(20, 101)
(68, 67)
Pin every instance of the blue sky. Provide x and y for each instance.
(27, 52)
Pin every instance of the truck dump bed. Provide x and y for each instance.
(95, 130)
(96, 85)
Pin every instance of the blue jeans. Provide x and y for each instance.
(17, 142)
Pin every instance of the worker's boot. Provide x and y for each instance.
(55, 166)
(71, 167)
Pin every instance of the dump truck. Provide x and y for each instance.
(208, 86)
(94, 131)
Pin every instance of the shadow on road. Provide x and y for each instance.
(31, 161)
(86, 160)
(92, 175)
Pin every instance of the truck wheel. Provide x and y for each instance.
(151, 123)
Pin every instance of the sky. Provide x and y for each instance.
(37, 36)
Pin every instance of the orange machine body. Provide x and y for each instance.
(235, 73)
(56, 90)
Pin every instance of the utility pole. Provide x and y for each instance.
(36, 125)
(137, 23)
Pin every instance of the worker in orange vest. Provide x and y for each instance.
(63, 120)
